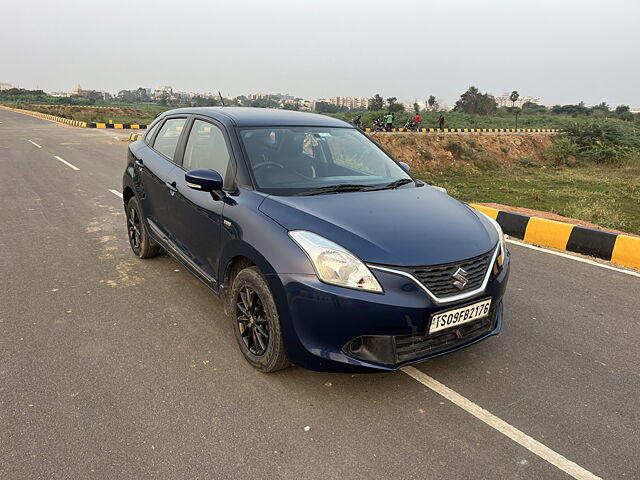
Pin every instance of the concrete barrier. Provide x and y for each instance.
(619, 249)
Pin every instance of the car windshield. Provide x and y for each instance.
(315, 160)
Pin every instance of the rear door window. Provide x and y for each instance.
(167, 139)
(206, 148)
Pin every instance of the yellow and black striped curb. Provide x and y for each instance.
(621, 250)
(78, 123)
(133, 136)
(469, 130)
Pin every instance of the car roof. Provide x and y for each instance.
(263, 117)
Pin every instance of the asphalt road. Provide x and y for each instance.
(112, 367)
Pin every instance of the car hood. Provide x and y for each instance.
(404, 227)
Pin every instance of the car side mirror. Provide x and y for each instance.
(405, 166)
(205, 181)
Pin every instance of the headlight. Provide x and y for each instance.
(334, 264)
(503, 248)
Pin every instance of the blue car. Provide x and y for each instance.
(326, 252)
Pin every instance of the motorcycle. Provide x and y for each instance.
(410, 125)
(378, 125)
(357, 122)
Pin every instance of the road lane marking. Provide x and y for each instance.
(572, 257)
(535, 447)
(65, 162)
(34, 143)
(115, 192)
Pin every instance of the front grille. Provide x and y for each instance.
(410, 347)
(439, 281)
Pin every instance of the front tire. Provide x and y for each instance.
(137, 231)
(256, 322)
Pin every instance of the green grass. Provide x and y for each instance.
(605, 195)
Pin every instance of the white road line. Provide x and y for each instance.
(115, 192)
(555, 459)
(34, 143)
(65, 162)
(573, 257)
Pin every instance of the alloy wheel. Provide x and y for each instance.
(252, 321)
(135, 236)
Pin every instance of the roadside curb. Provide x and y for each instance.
(133, 136)
(78, 123)
(619, 249)
(467, 130)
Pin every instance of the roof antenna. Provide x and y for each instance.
(221, 99)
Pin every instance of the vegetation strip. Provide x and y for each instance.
(78, 123)
(621, 250)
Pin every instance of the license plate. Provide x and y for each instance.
(452, 318)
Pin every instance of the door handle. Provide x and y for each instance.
(172, 186)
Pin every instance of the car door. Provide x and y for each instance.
(197, 217)
(157, 165)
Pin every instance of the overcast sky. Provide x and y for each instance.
(563, 51)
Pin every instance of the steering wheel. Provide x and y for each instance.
(267, 164)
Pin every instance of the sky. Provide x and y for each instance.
(563, 51)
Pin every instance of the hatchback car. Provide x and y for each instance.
(326, 252)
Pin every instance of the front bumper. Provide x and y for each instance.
(330, 328)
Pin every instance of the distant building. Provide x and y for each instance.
(160, 92)
(409, 106)
(351, 103)
(6, 86)
(504, 101)
(95, 94)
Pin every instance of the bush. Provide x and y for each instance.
(602, 142)
(561, 152)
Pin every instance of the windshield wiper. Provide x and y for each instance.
(392, 185)
(343, 187)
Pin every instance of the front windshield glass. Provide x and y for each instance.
(310, 160)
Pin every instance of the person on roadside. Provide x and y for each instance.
(388, 119)
(441, 121)
(417, 120)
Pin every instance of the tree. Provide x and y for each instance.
(433, 103)
(391, 101)
(416, 108)
(474, 102)
(602, 109)
(622, 109)
(530, 107)
(514, 97)
(326, 107)
(573, 110)
(376, 103)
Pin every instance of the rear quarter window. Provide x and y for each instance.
(167, 139)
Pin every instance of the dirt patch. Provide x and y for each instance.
(554, 216)
(428, 152)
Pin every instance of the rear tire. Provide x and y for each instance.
(137, 231)
(256, 323)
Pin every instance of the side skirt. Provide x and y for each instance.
(162, 240)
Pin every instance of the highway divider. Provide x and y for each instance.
(467, 130)
(78, 123)
(619, 249)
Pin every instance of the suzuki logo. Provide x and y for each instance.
(460, 277)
